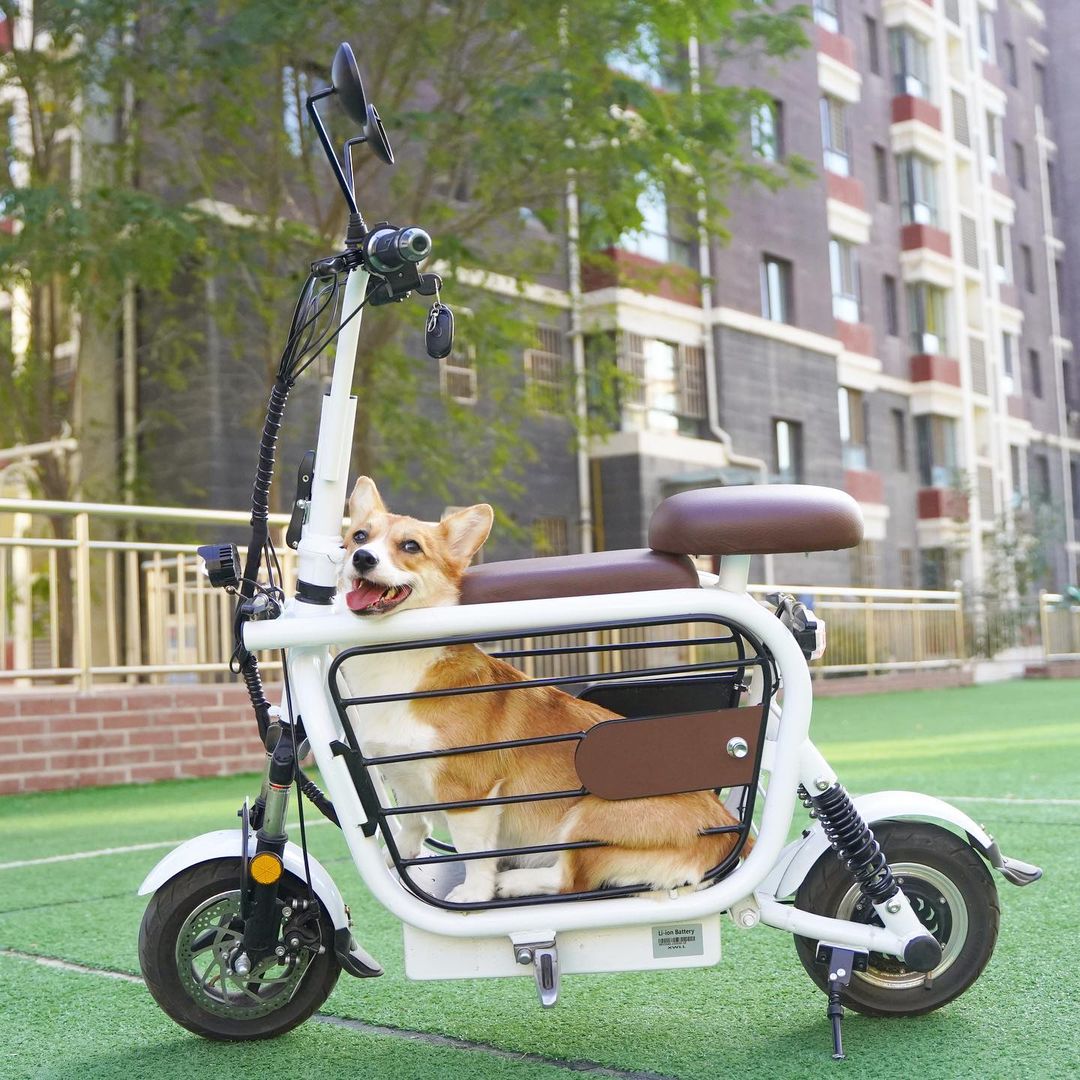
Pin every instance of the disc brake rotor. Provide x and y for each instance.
(207, 941)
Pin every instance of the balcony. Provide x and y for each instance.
(907, 107)
(933, 367)
(864, 485)
(856, 337)
(942, 502)
(915, 236)
(1017, 407)
(845, 189)
(836, 46)
(617, 268)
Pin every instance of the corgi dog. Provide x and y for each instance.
(395, 563)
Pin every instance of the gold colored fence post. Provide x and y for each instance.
(869, 643)
(1044, 624)
(132, 613)
(82, 600)
(961, 637)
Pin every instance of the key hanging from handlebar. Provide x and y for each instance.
(440, 329)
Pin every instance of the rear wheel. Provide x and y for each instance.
(190, 931)
(952, 894)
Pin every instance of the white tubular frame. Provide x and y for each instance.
(311, 631)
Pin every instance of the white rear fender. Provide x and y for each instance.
(800, 855)
(225, 844)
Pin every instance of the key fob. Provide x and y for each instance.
(440, 331)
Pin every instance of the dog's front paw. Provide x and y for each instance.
(471, 892)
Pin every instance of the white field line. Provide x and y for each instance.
(157, 844)
(75, 855)
(430, 1038)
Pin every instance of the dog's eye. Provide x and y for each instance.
(412, 547)
(359, 536)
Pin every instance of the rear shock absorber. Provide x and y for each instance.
(853, 841)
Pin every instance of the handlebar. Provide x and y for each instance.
(387, 250)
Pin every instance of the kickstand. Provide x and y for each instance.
(842, 962)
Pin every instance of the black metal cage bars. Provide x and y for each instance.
(711, 677)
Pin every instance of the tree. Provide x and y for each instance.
(491, 105)
(189, 108)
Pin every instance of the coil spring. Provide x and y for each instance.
(853, 842)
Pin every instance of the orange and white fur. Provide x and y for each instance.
(395, 563)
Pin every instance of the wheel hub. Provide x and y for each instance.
(207, 949)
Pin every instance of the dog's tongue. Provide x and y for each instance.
(364, 595)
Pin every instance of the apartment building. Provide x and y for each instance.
(898, 326)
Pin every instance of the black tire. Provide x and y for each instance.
(952, 892)
(263, 1008)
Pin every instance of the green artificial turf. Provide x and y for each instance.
(755, 1015)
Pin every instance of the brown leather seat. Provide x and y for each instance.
(756, 520)
(577, 575)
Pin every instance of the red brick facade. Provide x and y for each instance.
(60, 738)
(909, 107)
(845, 189)
(926, 236)
(837, 46)
(639, 272)
(928, 367)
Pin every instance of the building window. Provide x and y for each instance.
(1059, 280)
(787, 452)
(1039, 77)
(1008, 360)
(1016, 468)
(766, 130)
(881, 166)
(907, 568)
(665, 388)
(296, 85)
(926, 312)
(1010, 64)
(986, 36)
(910, 57)
(1002, 249)
(550, 536)
(844, 271)
(853, 446)
(866, 565)
(994, 144)
(655, 238)
(457, 375)
(1068, 385)
(1040, 481)
(935, 439)
(1051, 188)
(918, 190)
(827, 14)
(873, 55)
(545, 370)
(1028, 264)
(1021, 164)
(1035, 373)
(899, 420)
(934, 568)
(835, 138)
(892, 307)
(777, 299)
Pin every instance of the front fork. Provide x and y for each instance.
(262, 877)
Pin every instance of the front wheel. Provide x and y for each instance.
(953, 896)
(189, 932)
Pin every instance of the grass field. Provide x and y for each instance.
(1009, 754)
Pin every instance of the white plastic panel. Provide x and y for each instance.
(695, 943)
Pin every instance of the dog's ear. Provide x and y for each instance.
(365, 499)
(467, 530)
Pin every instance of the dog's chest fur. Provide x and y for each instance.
(392, 727)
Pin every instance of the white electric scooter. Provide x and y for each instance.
(889, 897)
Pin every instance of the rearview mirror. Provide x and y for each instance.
(345, 76)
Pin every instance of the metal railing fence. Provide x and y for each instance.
(123, 598)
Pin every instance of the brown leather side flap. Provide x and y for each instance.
(662, 755)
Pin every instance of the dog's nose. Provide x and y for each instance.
(364, 560)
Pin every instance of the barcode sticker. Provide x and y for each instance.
(685, 939)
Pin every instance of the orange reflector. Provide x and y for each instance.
(265, 868)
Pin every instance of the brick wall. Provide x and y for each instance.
(60, 738)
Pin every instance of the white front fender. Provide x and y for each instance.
(226, 844)
(800, 855)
